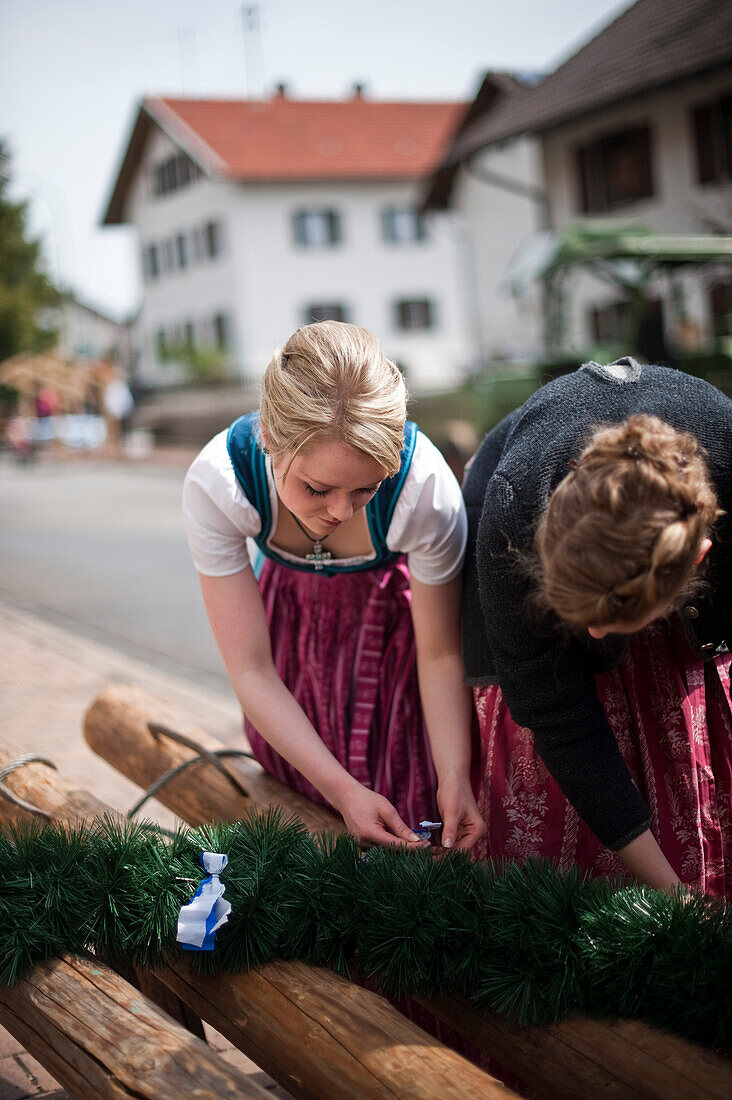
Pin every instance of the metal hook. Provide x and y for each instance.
(15, 799)
(203, 753)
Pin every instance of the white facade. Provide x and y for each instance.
(85, 333)
(495, 220)
(679, 205)
(264, 284)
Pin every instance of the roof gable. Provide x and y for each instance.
(282, 139)
(651, 44)
(494, 87)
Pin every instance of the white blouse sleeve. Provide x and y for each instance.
(429, 523)
(218, 516)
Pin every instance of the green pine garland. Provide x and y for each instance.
(523, 941)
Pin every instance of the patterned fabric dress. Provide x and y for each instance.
(342, 637)
(344, 646)
(670, 712)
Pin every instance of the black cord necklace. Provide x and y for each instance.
(318, 555)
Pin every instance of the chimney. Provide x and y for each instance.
(281, 91)
(358, 91)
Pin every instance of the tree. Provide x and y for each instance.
(25, 288)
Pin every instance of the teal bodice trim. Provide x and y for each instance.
(249, 462)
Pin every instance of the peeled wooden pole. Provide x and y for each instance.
(101, 1038)
(47, 789)
(315, 1033)
(571, 1060)
(98, 1035)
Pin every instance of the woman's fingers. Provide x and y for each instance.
(397, 828)
(375, 821)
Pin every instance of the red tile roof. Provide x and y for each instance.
(283, 139)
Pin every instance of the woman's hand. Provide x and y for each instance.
(373, 820)
(462, 825)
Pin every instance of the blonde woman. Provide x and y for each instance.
(344, 652)
(597, 621)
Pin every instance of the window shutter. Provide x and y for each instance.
(298, 225)
(334, 220)
(704, 140)
(642, 138)
(583, 178)
(388, 227)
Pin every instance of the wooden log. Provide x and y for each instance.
(316, 1034)
(579, 1057)
(100, 1038)
(49, 790)
(572, 1059)
(97, 1034)
(121, 715)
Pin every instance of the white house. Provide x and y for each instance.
(634, 129)
(255, 217)
(85, 332)
(496, 196)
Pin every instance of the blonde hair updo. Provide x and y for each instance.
(622, 531)
(332, 380)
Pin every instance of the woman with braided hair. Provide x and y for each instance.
(597, 615)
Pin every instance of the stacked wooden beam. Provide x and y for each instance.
(315, 1033)
(572, 1059)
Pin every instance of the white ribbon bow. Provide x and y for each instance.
(199, 920)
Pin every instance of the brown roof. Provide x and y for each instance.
(495, 87)
(652, 44)
(284, 139)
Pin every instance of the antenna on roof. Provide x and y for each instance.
(187, 54)
(253, 51)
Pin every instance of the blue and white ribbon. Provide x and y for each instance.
(207, 911)
(426, 829)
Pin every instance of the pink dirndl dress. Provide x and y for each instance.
(670, 713)
(344, 646)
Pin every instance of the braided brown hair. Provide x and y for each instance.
(623, 530)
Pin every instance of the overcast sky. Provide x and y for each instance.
(72, 72)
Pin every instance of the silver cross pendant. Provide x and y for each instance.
(318, 556)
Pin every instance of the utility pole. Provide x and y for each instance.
(253, 52)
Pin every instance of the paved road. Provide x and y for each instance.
(100, 549)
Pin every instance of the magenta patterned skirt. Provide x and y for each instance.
(344, 646)
(670, 713)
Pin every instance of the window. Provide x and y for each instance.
(615, 170)
(333, 311)
(212, 240)
(609, 324)
(181, 250)
(151, 261)
(169, 254)
(161, 345)
(317, 228)
(221, 331)
(713, 138)
(173, 173)
(412, 314)
(402, 225)
(198, 238)
(720, 303)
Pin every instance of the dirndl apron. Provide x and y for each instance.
(344, 647)
(670, 713)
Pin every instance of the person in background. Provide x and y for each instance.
(118, 405)
(19, 437)
(344, 652)
(596, 625)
